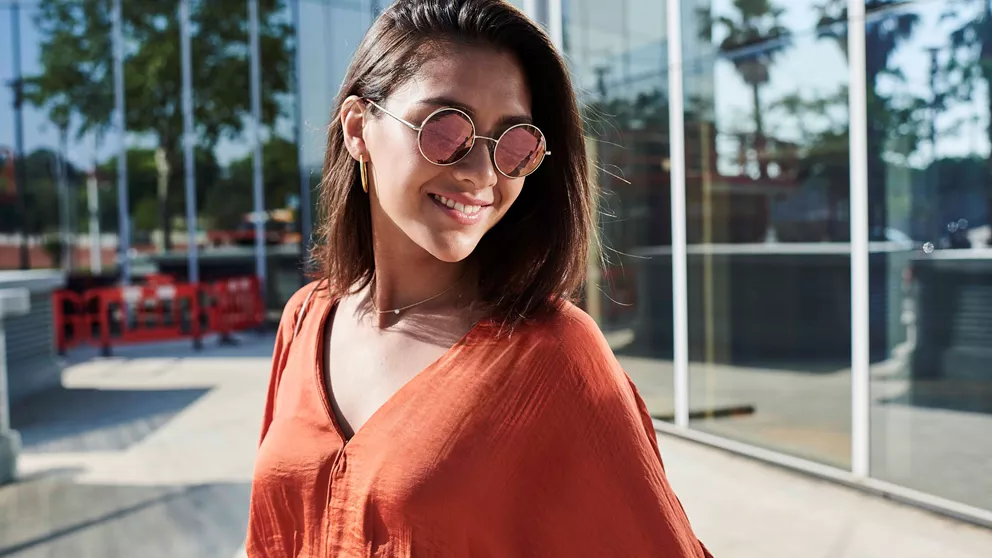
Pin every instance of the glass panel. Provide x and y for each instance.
(756, 20)
(224, 124)
(66, 93)
(329, 33)
(767, 225)
(280, 153)
(225, 159)
(618, 55)
(153, 85)
(929, 152)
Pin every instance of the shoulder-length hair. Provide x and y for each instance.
(536, 256)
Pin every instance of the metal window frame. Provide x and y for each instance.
(120, 125)
(189, 141)
(860, 363)
(680, 289)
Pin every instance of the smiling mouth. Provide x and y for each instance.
(468, 210)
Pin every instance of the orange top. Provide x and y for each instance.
(532, 445)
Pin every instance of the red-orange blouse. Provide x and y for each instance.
(532, 445)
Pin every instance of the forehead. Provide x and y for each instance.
(489, 81)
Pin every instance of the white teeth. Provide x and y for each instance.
(460, 207)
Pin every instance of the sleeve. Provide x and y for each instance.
(594, 484)
(280, 352)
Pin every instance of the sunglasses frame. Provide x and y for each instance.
(492, 150)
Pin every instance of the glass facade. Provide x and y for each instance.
(767, 191)
(929, 130)
(770, 301)
(768, 166)
(618, 54)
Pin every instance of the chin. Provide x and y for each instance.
(448, 249)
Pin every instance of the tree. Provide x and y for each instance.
(970, 67)
(143, 187)
(754, 23)
(822, 160)
(227, 202)
(881, 41)
(77, 72)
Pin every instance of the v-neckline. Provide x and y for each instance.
(320, 353)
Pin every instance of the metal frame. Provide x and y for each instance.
(680, 288)
(556, 24)
(120, 123)
(860, 363)
(305, 216)
(189, 141)
(256, 113)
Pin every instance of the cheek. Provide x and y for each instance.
(400, 175)
(507, 194)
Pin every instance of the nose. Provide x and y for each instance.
(478, 167)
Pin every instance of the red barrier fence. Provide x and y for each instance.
(157, 311)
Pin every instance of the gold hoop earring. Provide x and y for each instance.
(364, 172)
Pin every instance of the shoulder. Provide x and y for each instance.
(305, 295)
(571, 343)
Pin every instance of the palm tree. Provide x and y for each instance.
(752, 38)
(881, 41)
(970, 64)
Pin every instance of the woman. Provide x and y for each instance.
(435, 393)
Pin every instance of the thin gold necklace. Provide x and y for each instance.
(408, 306)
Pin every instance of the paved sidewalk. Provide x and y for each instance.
(149, 454)
(742, 508)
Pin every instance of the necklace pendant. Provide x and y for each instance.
(396, 311)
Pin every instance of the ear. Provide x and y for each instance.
(353, 124)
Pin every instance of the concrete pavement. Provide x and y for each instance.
(149, 454)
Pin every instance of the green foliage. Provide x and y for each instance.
(76, 81)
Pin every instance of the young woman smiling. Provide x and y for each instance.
(435, 392)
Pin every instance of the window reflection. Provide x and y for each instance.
(618, 54)
(929, 136)
(68, 201)
(767, 193)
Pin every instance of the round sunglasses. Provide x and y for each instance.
(448, 135)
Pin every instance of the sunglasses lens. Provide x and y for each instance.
(446, 137)
(520, 150)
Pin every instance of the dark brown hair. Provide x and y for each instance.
(536, 256)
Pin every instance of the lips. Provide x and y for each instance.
(457, 206)
(462, 209)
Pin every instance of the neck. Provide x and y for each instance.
(421, 280)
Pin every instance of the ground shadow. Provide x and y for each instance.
(952, 395)
(207, 520)
(86, 419)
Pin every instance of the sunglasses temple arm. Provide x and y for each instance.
(412, 126)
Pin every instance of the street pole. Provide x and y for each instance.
(934, 225)
(19, 163)
(256, 113)
(65, 238)
(305, 218)
(123, 211)
(192, 250)
(93, 202)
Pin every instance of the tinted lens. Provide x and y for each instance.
(520, 150)
(446, 137)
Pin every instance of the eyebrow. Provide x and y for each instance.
(504, 122)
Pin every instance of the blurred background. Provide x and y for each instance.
(747, 153)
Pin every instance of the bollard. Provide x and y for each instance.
(13, 302)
